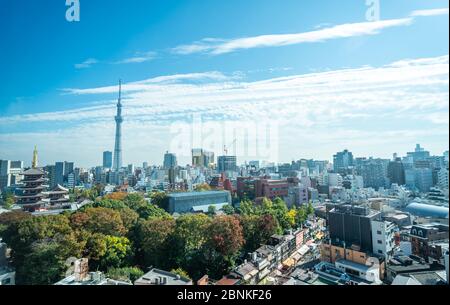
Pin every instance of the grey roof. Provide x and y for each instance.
(33, 171)
(190, 194)
(161, 277)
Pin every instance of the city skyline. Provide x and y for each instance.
(161, 162)
(384, 85)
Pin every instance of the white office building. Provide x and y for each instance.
(383, 238)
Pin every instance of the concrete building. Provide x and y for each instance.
(226, 164)
(342, 162)
(430, 241)
(419, 178)
(396, 172)
(383, 238)
(352, 225)
(443, 178)
(271, 188)
(335, 179)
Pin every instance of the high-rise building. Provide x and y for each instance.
(107, 159)
(443, 178)
(59, 173)
(51, 175)
(374, 172)
(419, 154)
(424, 179)
(10, 173)
(420, 179)
(208, 158)
(68, 169)
(197, 157)
(396, 172)
(170, 160)
(202, 158)
(342, 162)
(117, 164)
(226, 164)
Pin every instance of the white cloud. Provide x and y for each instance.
(219, 46)
(401, 103)
(430, 12)
(138, 58)
(87, 63)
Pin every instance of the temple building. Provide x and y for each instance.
(59, 196)
(31, 196)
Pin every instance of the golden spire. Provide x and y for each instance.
(34, 163)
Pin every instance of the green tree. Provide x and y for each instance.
(202, 187)
(154, 238)
(99, 220)
(310, 209)
(225, 235)
(211, 210)
(181, 272)
(257, 230)
(228, 210)
(246, 207)
(42, 265)
(225, 240)
(160, 200)
(8, 202)
(301, 216)
(118, 252)
(125, 274)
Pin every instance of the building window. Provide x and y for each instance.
(380, 251)
(379, 242)
(379, 232)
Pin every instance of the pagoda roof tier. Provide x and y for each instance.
(26, 188)
(33, 172)
(58, 187)
(56, 193)
(35, 180)
(60, 200)
(31, 196)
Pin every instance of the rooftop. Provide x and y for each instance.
(161, 277)
(192, 194)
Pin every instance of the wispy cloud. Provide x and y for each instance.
(139, 57)
(361, 106)
(323, 32)
(431, 12)
(220, 46)
(143, 85)
(87, 63)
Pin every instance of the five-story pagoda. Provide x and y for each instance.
(31, 196)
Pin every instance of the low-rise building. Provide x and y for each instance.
(160, 277)
(429, 240)
(190, 201)
(383, 238)
(405, 265)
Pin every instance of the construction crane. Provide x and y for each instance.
(225, 147)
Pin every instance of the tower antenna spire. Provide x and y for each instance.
(34, 163)
(120, 90)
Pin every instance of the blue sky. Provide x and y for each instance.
(220, 59)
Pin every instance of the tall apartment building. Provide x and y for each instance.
(342, 162)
